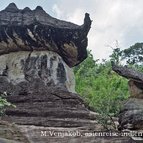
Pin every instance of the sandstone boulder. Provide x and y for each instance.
(28, 30)
(131, 115)
(27, 66)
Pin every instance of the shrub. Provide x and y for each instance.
(4, 103)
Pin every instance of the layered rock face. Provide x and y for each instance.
(10, 133)
(40, 105)
(131, 116)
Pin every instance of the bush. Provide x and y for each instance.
(4, 104)
(101, 88)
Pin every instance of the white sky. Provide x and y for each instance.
(120, 20)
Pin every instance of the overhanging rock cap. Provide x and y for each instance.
(26, 29)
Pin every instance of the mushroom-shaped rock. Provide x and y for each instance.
(131, 115)
(128, 73)
(28, 30)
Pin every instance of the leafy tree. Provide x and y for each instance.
(134, 54)
(101, 88)
(116, 56)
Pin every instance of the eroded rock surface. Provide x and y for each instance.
(28, 30)
(131, 116)
(38, 104)
(69, 135)
(46, 66)
(10, 133)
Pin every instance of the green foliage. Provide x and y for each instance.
(116, 55)
(134, 54)
(101, 88)
(4, 104)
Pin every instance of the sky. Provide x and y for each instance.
(114, 21)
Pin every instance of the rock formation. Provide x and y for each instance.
(40, 105)
(37, 52)
(29, 30)
(47, 66)
(131, 116)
